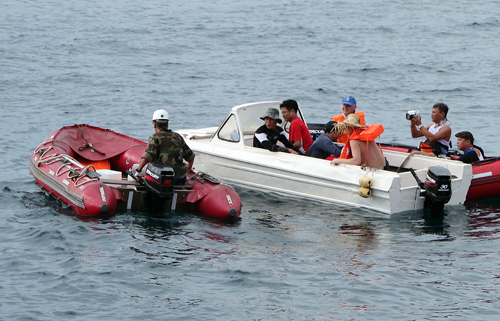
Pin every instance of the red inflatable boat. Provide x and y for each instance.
(486, 174)
(85, 167)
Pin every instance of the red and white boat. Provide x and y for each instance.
(85, 167)
(485, 181)
(485, 174)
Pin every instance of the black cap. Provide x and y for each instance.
(466, 136)
(329, 126)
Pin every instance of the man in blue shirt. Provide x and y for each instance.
(324, 145)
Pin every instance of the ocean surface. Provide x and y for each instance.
(112, 63)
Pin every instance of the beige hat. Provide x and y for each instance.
(351, 121)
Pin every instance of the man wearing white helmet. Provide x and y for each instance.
(167, 147)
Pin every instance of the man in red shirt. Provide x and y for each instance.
(299, 134)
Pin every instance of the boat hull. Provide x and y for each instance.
(317, 180)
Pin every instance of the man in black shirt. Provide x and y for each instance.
(268, 135)
(465, 143)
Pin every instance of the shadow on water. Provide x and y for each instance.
(306, 220)
(424, 222)
(174, 237)
(167, 238)
(41, 200)
(483, 218)
(479, 219)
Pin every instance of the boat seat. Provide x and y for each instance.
(248, 140)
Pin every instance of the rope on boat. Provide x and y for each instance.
(50, 159)
(66, 167)
(408, 158)
(58, 171)
(44, 143)
(84, 173)
(87, 144)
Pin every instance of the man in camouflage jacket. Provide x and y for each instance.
(167, 147)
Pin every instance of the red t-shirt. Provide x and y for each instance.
(299, 131)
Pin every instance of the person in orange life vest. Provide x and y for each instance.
(438, 133)
(348, 107)
(360, 147)
(465, 143)
(299, 134)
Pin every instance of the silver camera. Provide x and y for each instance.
(412, 113)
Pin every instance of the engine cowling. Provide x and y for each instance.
(159, 180)
(437, 187)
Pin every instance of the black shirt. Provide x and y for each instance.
(469, 156)
(268, 138)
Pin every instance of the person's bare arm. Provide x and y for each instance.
(297, 143)
(416, 121)
(142, 163)
(357, 157)
(443, 133)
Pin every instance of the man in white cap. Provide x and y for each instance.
(167, 147)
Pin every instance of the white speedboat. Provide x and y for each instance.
(410, 182)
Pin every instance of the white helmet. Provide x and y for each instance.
(161, 115)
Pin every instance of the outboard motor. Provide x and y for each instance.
(159, 180)
(437, 188)
(438, 184)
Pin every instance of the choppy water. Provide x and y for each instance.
(112, 63)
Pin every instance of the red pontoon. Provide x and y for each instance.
(486, 173)
(85, 167)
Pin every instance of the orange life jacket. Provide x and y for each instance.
(425, 148)
(102, 164)
(340, 118)
(366, 135)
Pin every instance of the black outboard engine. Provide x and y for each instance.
(437, 188)
(159, 180)
(438, 184)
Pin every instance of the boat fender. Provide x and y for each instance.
(365, 181)
(364, 192)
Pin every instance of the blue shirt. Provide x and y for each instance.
(323, 147)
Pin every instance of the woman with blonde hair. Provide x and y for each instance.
(360, 148)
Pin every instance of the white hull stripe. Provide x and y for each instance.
(481, 175)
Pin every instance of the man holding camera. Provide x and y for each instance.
(438, 133)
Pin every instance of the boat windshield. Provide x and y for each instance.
(229, 130)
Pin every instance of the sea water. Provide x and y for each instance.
(112, 63)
